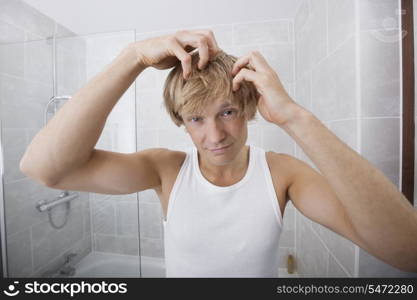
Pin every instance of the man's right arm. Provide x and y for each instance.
(62, 154)
(67, 141)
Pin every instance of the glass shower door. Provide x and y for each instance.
(91, 235)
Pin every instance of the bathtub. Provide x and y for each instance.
(97, 264)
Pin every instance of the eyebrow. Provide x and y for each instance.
(224, 105)
(227, 104)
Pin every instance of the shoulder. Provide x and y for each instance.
(283, 165)
(167, 162)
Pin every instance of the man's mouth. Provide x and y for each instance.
(220, 149)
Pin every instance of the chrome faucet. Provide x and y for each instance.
(67, 269)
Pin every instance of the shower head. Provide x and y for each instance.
(54, 99)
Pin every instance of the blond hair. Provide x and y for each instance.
(203, 87)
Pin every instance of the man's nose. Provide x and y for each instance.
(215, 133)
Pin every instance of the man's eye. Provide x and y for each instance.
(227, 111)
(194, 119)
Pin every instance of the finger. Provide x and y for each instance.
(244, 74)
(183, 56)
(203, 52)
(254, 58)
(213, 46)
(201, 39)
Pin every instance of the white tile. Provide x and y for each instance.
(376, 14)
(381, 145)
(334, 96)
(379, 75)
(341, 21)
(261, 32)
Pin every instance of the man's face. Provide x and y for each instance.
(216, 127)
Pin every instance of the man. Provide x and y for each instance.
(221, 219)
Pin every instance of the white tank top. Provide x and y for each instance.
(231, 231)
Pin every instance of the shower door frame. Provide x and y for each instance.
(3, 246)
(408, 102)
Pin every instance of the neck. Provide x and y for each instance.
(230, 170)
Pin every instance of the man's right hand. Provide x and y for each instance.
(165, 51)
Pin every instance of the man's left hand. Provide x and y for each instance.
(274, 103)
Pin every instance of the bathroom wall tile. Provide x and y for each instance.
(128, 245)
(370, 266)
(150, 218)
(23, 102)
(341, 21)
(283, 256)
(261, 32)
(81, 248)
(345, 130)
(277, 140)
(70, 64)
(104, 141)
(94, 66)
(287, 237)
(49, 242)
(20, 206)
(123, 113)
(124, 136)
(148, 109)
(342, 248)
(100, 201)
(376, 14)
(20, 14)
(148, 196)
(12, 171)
(147, 80)
(239, 51)
(72, 44)
(259, 120)
(313, 36)
(19, 254)
(86, 207)
(151, 247)
(379, 75)
(106, 46)
(127, 217)
(381, 145)
(334, 96)
(301, 16)
(254, 135)
(174, 139)
(13, 142)
(70, 84)
(63, 32)
(335, 270)
(38, 61)
(104, 220)
(222, 33)
(302, 156)
(280, 58)
(311, 253)
(12, 58)
(147, 138)
(164, 120)
(303, 91)
(10, 33)
(140, 36)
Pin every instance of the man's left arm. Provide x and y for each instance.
(383, 219)
(380, 214)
